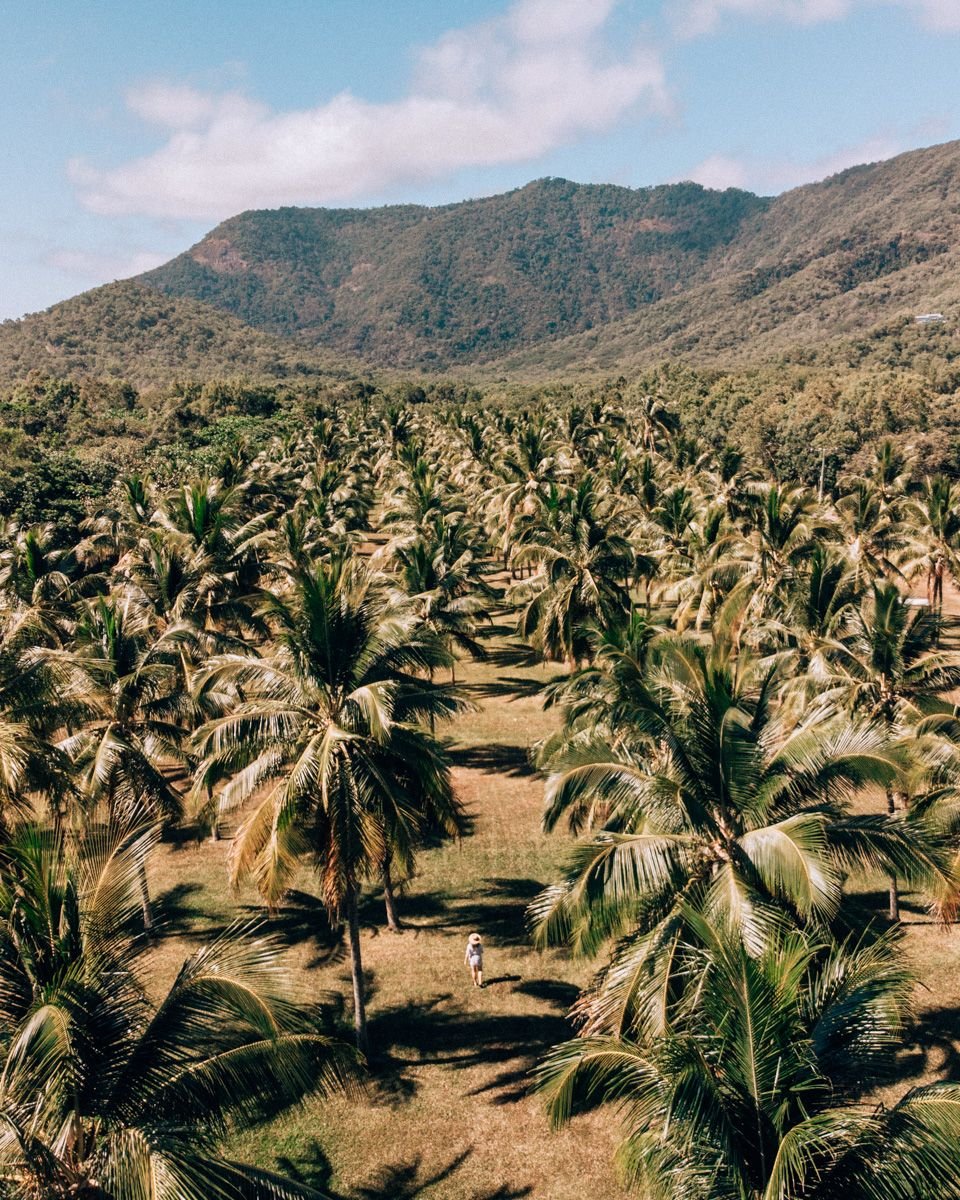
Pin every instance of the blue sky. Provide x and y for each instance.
(131, 129)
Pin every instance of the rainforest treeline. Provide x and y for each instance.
(64, 441)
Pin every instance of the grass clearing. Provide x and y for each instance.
(446, 1113)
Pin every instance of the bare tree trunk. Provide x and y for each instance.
(356, 971)
(394, 924)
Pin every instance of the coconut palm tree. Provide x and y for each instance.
(126, 710)
(751, 1090)
(111, 532)
(884, 665)
(530, 467)
(326, 731)
(106, 1095)
(869, 530)
(781, 525)
(933, 536)
(35, 775)
(440, 567)
(36, 581)
(218, 527)
(699, 790)
(808, 614)
(584, 569)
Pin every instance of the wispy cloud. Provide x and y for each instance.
(508, 90)
(93, 264)
(771, 176)
(694, 18)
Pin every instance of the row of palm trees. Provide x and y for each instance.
(271, 645)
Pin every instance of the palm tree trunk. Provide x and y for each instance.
(145, 898)
(893, 908)
(356, 971)
(215, 823)
(394, 924)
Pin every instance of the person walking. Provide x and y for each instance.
(474, 958)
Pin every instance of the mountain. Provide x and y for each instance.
(554, 277)
(426, 287)
(837, 270)
(129, 331)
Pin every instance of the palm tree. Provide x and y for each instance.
(871, 533)
(441, 569)
(656, 423)
(750, 1092)
(584, 569)
(326, 730)
(933, 536)
(36, 580)
(105, 1095)
(127, 712)
(35, 774)
(884, 665)
(699, 791)
(808, 614)
(781, 524)
(111, 532)
(217, 526)
(529, 468)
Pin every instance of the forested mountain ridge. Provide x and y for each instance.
(549, 279)
(409, 286)
(832, 269)
(127, 331)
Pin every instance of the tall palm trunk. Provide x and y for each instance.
(893, 909)
(145, 904)
(394, 924)
(356, 970)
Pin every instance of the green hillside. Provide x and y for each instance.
(468, 282)
(554, 278)
(838, 269)
(131, 332)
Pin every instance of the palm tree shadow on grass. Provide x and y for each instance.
(301, 920)
(498, 757)
(444, 1032)
(513, 687)
(405, 1180)
(868, 911)
(931, 1047)
(181, 911)
(497, 908)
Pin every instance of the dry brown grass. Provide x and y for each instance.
(447, 1111)
(447, 1114)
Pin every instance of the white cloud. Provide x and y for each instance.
(769, 177)
(92, 264)
(694, 18)
(170, 105)
(938, 14)
(504, 91)
(721, 171)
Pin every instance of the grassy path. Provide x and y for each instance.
(447, 1113)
